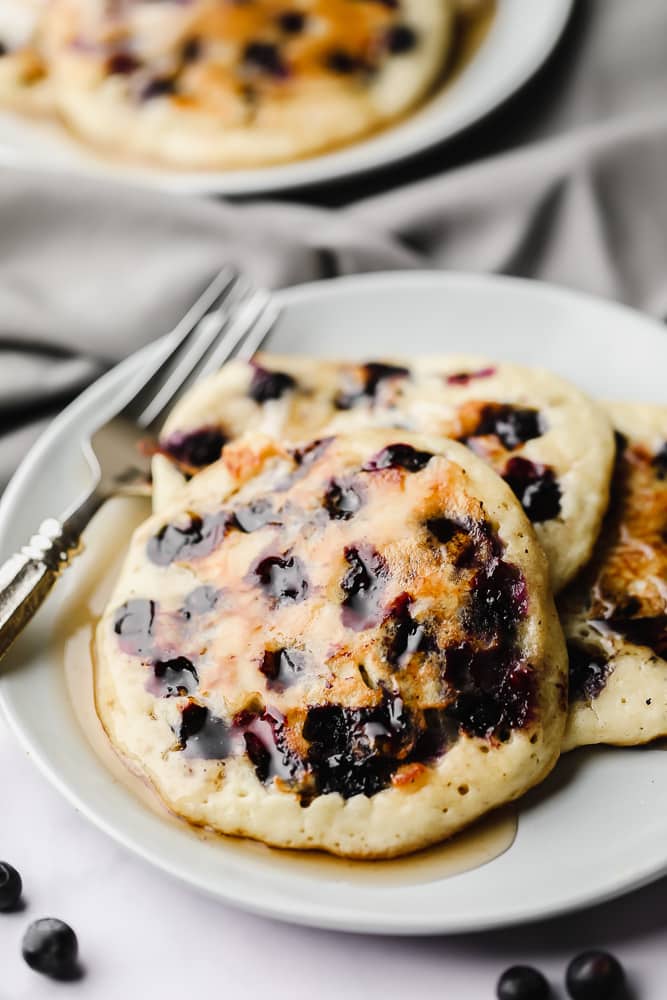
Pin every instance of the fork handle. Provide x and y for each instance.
(28, 576)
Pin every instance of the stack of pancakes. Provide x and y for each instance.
(338, 629)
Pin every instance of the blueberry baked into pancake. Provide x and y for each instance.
(348, 644)
(552, 444)
(241, 83)
(24, 83)
(615, 616)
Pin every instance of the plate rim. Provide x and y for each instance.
(312, 914)
(339, 165)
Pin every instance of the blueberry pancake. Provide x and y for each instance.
(348, 644)
(241, 83)
(615, 616)
(24, 83)
(551, 443)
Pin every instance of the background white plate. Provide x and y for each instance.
(520, 39)
(597, 828)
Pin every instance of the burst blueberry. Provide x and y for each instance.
(282, 577)
(266, 385)
(398, 456)
(535, 486)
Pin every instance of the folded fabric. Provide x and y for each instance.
(91, 271)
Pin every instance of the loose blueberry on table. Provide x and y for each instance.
(11, 887)
(522, 982)
(50, 947)
(595, 975)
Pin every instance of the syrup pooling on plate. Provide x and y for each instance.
(91, 579)
(479, 682)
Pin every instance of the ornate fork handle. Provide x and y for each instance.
(28, 576)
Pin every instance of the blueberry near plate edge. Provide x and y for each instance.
(633, 876)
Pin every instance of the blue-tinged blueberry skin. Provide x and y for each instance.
(254, 515)
(134, 624)
(304, 459)
(50, 946)
(197, 448)
(595, 975)
(282, 577)
(512, 425)
(200, 601)
(374, 372)
(266, 385)
(499, 601)
(202, 734)
(398, 456)
(267, 747)
(406, 636)
(342, 500)
(353, 750)
(282, 667)
(173, 678)
(363, 587)
(198, 538)
(536, 488)
(589, 670)
(11, 887)
(495, 693)
(522, 982)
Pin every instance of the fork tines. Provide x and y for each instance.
(231, 319)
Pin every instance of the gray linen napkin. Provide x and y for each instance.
(90, 271)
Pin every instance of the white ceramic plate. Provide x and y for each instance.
(520, 39)
(596, 829)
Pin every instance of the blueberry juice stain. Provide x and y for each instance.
(195, 539)
(134, 624)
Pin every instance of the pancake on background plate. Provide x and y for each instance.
(348, 645)
(24, 84)
(211, 84)
(615, 615)
(552, 444)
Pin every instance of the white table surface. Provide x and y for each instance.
(139, 931)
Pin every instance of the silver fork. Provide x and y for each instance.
(230, 319)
